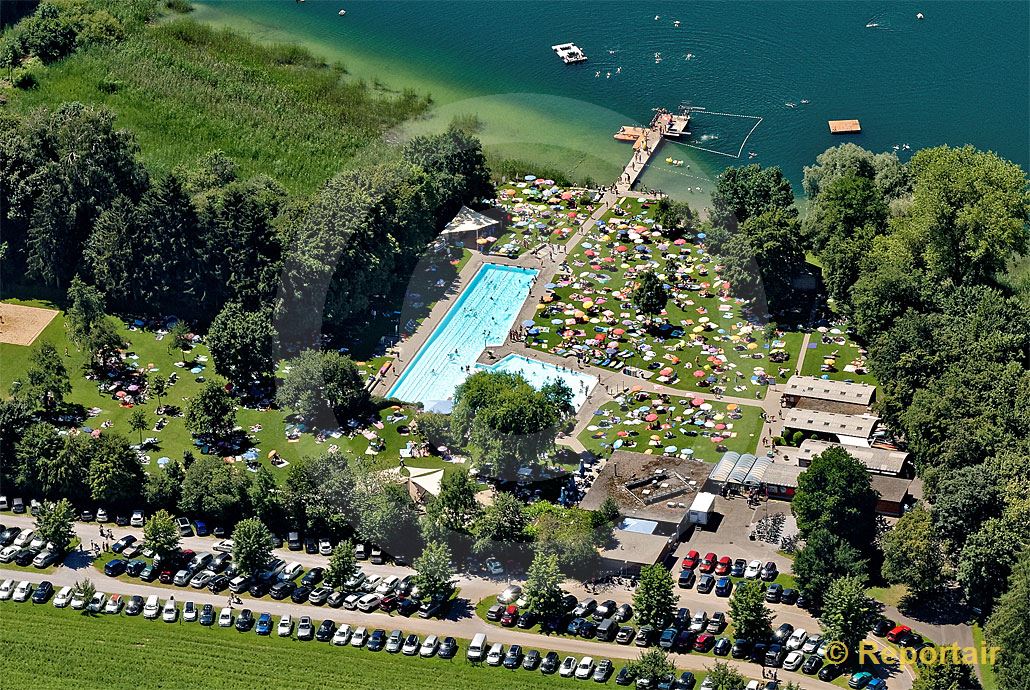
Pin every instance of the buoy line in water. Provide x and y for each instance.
(743, 143)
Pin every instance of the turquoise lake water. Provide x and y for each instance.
(959, 76)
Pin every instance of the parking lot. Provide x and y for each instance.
(461, 621)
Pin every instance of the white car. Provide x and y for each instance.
(137, 518)
(510, 594)
(291, 571)
(388, 585)
(6, 589)
(114, 604)
(350, 602)
(8, 553)
(342, 636)
(171, 611)
(225, 618)
(793, 661)
(285, 628)
(494, 567)
(812, 644)
(325, 547)
(223, 546)
(797, 639)
(496, 654)
(37, 543)
(96, 604)
(699, 622)
(429, 646)
(102, 515)
(355, 582)
(568, 667)
(752, 570)
(22, 592)
(201, 579)
(152, 609)
(585, 668)
(24, 538)
(45, 558)
(359, 638)
(369, 603)
(79, 600)
(63, 597)
(190, 612)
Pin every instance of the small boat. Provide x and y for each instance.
(791, 105)
(872, 25)
(342, 12)
(689, 56)
(676, 23)
(804, 101)
(919, 15)
(656, 17)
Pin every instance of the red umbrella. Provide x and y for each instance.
(572, 214)
(698, 374)
(566, 195)
(667, 371)
(622, 433)
(720, 427)
(120, 394)
(599, 336)
(651, 417)
(621, 248)
(608, 259)
(697, 402)
(680, 241)
(618, 331)
(590, 252)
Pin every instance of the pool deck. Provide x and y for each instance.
(546, 259)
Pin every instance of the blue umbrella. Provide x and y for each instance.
(550, 286)
(527, 323)
(529, 178)
(701, 235)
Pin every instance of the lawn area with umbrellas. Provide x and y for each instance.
(834, 354)
(537, 211)
(686, 427)
(701, 342)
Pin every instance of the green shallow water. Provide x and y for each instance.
(959, 76)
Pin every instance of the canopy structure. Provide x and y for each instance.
(469, 226)
(741, 468)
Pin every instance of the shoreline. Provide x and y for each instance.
(541, 129)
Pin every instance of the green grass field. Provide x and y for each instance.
(174, 437)
(987, 677)
(185, 89)
(44, 647)
(841, 353)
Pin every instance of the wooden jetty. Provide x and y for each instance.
(569, 53)
(845, 127)
(646, 141)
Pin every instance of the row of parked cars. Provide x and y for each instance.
(24, 547)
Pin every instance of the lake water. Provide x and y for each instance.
(958, 76)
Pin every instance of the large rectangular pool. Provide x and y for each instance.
(481, 317)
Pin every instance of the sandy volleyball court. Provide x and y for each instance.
(21, 325)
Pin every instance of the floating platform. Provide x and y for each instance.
(569, 53)
(845, 127)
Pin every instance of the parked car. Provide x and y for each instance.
(716, 623)
(568, 667)
(707, 564)
(137, 518)
(43, 592)
(738, 568)
(531, 661)
(774, 593)
(603, 671)
(325, 631)
(513, 659)
(46, 558)
(550, 663)
(686, 579)
(899, 633)
(723, 565)
(830, 672)
(722, 646)
(185, 529)
(22, 592)
(342, 636)
(305, 628)
(510, 594)
(812, 664)
(170, 614)
(769, 572)
(723, 587)
(120, 545)
(114, 604)
(448, 648)
(585, 668)
(860, 679)
(135, 606)
(797, 639)
(264, 624)
(705, 583)
(692, 559)
(189, 612)
(429, 646)
(394, 641)
(63, 597)
(376, 641)
(811, 644)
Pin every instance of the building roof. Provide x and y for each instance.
(468, 220)
(891, 489)
(756, 475)
(741, 468)
(876, 460)
(834, 391)
(626, 474)
(635, 547)
(721, 471)
(854, 425)
(783, 474)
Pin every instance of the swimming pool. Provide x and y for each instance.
(538, 373)
(480, 318)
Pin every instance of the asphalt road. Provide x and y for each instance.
(461, 622)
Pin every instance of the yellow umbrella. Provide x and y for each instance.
(589, 303)
(698, 329)
(752, 346)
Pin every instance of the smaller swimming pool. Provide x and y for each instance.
(538, 373)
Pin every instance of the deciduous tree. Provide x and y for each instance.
(653, 600)
(433, 571)
(751, 618)
(251, 546)
(161, 534)
(543, 586)
(848, 613)
(55, 523)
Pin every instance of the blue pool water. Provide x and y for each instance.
(480, 318)
(538, 373)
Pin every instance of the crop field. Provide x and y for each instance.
(124, 652)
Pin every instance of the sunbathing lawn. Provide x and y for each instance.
(622, 423)
(131, 649)
(538, 213)
(590, 303)
(269, 427)
(987, 677)
(842, 351)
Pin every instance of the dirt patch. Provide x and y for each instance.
(21, 325)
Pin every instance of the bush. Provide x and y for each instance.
(25, 80)
(181, 6)
(798, 437)
(108, 86)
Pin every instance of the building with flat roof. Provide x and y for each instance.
(895, 494)
(847, 429)
(469, 226)
(891, 463)
(799, 388)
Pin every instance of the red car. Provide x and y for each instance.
(691, 561)
(723, 566)
(704, 642)
(510, 616)
(898, 633)
(708, 563)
